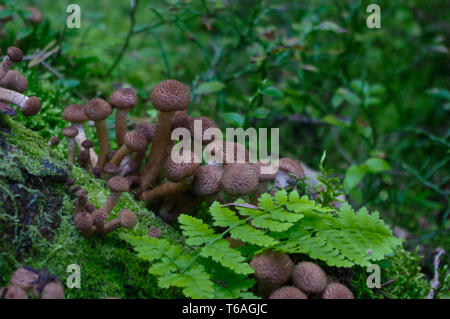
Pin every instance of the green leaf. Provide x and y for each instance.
(330, 26)
(349, 96)
(209, 87)
(377, 165)
(354, 175)
(235, 119)
(260, 113)
(439, 92)
(271, 91)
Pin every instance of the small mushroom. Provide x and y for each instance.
(288, 292)
(82, 200)
(288, 168)
(126, 219)
(74, 114)
(84, 222)
(13, 55)
(70, 133)
(29, 105)
(88, 145)
(98, 110)
(309, 277)
(167, 97)
(123, 100)
(24, 279)
(54, 141)
(14, 80)
(117, 185)
(155, 232)
(13, 292)
(336, 290)
(207, 180)
(148, 130)
(110, 170)
(133, 141)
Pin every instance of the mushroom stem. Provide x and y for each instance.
(167, 189)
(121, 126)
(5, 66)
(13, 97)
(111, 201)
(158, 150)
(111, 226)
(103, 139)
(71, 149)
(120, 155)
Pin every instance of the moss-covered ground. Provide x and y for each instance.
(36, 212)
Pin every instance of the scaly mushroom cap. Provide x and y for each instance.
(111, 168)
(207, 180)
(124, 99)
(7, 109)
(272, 267)
(127, 218)
(309, 277)
(15, 54)
(74, 113)
(288, 292)
(87, 144)
(181, 119)
(97, 109)
(14, 292)
(229, 152)
(170, 95)
(54, 140)
(291, 166)
(154, 232)
(118, 184)
(15, 81)
(240, 179)
(135, 141)
(81, 193)
(32, 106)
(83, 221)
(36, 15)
(336, 290)
(146, 129)
(175, 172)
(70, 132)
(23, 278)
(53, 290)
(83, 156)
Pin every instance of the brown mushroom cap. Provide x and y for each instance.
(15, 81)
(127, 218)
(170, 95)
(118, 184)
(53, 290)
(83, 221)
(291, 166)
(240, 179)
(70, 132)
(272, 267)
(7, 109)
(54, 140)
(97, 109)
(14, 292)
(123, 99)
(146, 129)
(135, 141)
(32, 106)
(74, 113)
(36, 15)
(175, 172)
(181, 119)
(309, 277)
(264, 177)
(154, 232)
(207, 180)
(23, 278)
(15, 54)
(87, 144)
(288, 292)
(336, 290)
(206, 124)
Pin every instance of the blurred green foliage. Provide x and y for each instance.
(377, 100)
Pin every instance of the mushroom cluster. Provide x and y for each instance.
(279, 278)
(144, 157)
(39, 283)
(12, 86)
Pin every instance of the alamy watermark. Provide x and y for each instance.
(373, 21)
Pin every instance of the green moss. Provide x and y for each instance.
(30, 174)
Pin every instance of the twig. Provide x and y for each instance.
(133, 6)
(435, 282)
